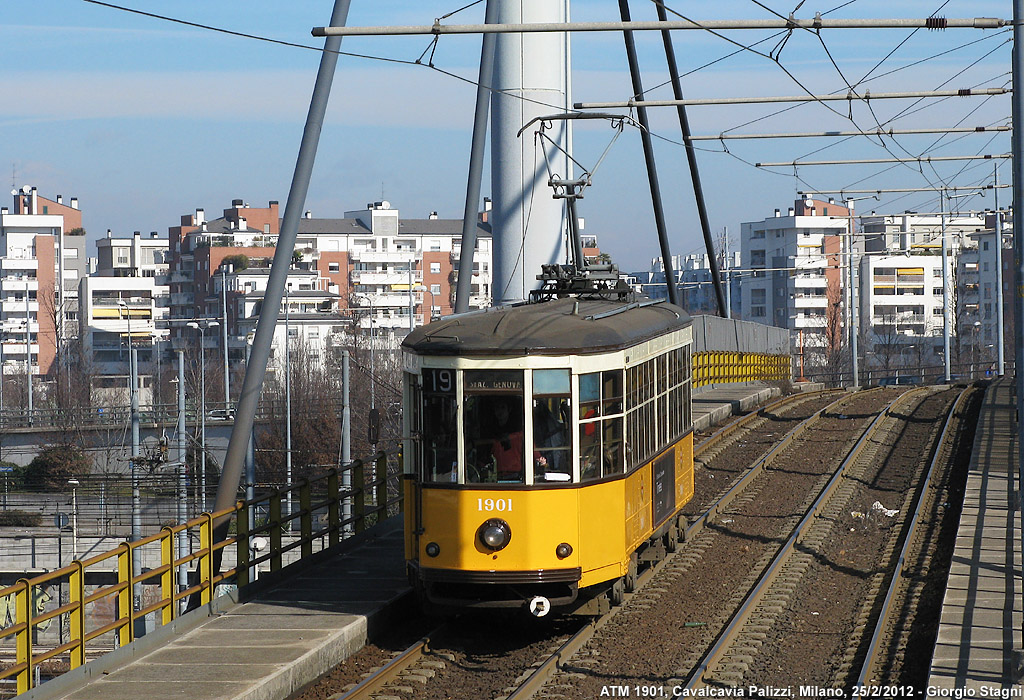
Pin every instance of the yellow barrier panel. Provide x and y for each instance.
(720, 367)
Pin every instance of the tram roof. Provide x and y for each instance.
(567, 326)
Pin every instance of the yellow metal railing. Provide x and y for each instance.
(722, 367)
(372, 500)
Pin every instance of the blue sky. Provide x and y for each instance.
(145, 120)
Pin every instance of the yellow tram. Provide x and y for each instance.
(549, 450)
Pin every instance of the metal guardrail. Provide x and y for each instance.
(375, 494)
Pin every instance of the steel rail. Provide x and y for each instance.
(388, 672)
(872, 658)
(730, 428)
(536, 680)
(725, 639)
(755, 470)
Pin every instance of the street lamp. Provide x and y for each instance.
(974, 346)
(224, 308)
(373, 374)
(133, 400)
(73, 483)
(423, 290)
(201, 326)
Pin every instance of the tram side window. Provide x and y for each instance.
(601, 444)
(552, 420)
(440, 439)
(493, 426)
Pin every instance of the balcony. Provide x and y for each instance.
(19, 264)
(16, 307)
(385, 278)
(374, 256)
(178, 277)
(182, 299)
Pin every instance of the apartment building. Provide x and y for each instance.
(374, 260)
(791, 271)
(694, 282)
(42, 258)
(978, 293)
(123, 305)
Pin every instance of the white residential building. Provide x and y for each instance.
(118, 313)
(42, 256)
(791, 269)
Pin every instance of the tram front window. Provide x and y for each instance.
(493, 426)
(552, 418)
(440, 440)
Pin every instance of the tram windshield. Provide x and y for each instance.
(440, 439)
(493, 426)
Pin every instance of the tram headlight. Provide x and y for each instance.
(495, 534)
(432, 549)
(563, 550)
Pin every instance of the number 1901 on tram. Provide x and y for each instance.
(549, 450)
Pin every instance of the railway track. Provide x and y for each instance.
(882, 658)
(792, 418)
(643, 644)
(728, 662)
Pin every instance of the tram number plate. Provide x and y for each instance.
(439, 381)
(491, 505)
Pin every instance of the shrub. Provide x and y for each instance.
(52, 468)
(20, 518)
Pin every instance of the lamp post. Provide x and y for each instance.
(288, 402)
(28, 354)
(974, 347)
(224, 308)
(73, 483)
(133, 401)
(373, 350)
(201, 326)
(430, 315)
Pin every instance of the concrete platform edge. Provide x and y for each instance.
(119, 658)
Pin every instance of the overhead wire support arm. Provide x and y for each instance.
(862, 161)
(876, 132)
(867, 96)
(815, 23)
(893, 190)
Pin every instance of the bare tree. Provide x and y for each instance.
(835, 352)
(315, 421)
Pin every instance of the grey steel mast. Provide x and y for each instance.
(227, 489)
(476, 163)
(691, 159)
(652, 169)
(1017, 147)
